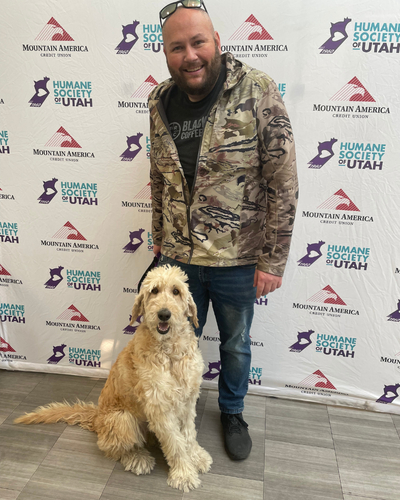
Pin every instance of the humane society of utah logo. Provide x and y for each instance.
(54, 32)
(339, 201)
(66, 93)
(338, 35)
(4, 146)
(252, 30)
(134, 147)
(9, 232)
(12, 313)
(75, 193)
(377, 37)
(151, 33)
(77, 279)
(136, 240)
(76, 355)
(69, 148)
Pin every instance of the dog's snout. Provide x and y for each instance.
(164, 314)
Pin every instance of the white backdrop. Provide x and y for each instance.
(75, 226)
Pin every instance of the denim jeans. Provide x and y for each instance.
(232, 296)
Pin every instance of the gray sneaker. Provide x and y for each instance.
(237, 439)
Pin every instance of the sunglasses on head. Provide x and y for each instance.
(171, 8)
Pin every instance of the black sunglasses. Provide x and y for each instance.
(171, 8)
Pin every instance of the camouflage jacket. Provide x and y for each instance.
(242, 205)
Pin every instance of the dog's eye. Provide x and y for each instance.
(155, 290)
(176, 291)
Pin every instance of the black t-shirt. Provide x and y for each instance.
(186, 123)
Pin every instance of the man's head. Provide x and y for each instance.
(193, 51)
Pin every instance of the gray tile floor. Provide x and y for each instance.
(301, 451)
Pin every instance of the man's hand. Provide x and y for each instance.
(156, 249)
(266, 282)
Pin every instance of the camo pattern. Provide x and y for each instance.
(242, 206)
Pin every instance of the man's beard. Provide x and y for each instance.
(212, 73)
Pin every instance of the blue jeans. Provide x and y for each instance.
(232, 296)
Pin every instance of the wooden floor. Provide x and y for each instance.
(301, 451)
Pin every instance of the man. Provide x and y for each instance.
(224, 190)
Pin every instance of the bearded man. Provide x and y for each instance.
(224, 190)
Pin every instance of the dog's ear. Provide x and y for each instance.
(192, 313)
(138, 307)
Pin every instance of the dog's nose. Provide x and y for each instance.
(164, 314)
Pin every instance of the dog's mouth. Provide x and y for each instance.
(163, 328)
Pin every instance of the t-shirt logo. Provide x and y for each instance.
(175, 130)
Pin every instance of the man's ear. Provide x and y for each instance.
(138, 308)
(218, 40)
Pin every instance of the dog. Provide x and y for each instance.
(152, 386)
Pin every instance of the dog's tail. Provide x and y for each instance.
(78, 414)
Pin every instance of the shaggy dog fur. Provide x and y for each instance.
(153, 385)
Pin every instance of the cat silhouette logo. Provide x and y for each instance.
(325, 153)
(339, 201)
(214, 369)
(395, 315)
(58, 354)
(353, 91)
(68, 232)
(135, 240)
(130, 330)
(338, 36)
(313, 254)
(389, 394)
(327, 296)
(133, 147)
(41, 92)
(129, 38)
(5, 346)
(72, 314)
(49, 191)
(303, 341)
(62, 139)
(251, 29)
(55, 32)
(55, 277)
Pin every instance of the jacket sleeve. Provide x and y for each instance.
(156, 182)
(278, 163)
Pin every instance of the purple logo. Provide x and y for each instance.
(129, 38)
(55, 277)
(313, 254)
(303, 341)
(135, 240)
(338, 36)
(58, 354)
(133, 147)
(325, 153)
(41, 93)
(395, 316)
(130, 330)
(214, 369)
(389, 394)
(49, 191)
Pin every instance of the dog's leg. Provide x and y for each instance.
(183, 474)
(120, 437)
(200, 457)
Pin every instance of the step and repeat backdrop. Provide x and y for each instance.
(75, 202)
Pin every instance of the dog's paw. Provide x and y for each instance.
(183, 481)
(202, 460)
(139, 463)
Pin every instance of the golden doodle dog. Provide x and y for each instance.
(153, 385)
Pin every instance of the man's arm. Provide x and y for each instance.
(278, 162)
(157, 183)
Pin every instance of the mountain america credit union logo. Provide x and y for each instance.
(252, 30)
(69, 148)
(352, 91)
(69, 232)
(339, 201)
(326, 295)
(144, 195)
(72, 314)
(8, 353)
(142, 93)
(54, 32)
(6, 278)
(316, 384)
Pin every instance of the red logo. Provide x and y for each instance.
(251, 29)
(69, 232)
(327, 296)
(55, 32)
(145, 193)
(353, 91)
(5, 346)
(3, 271)
(339, 201)
(146, 87)
(73, 314)
(317, 379)
(62, 139)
